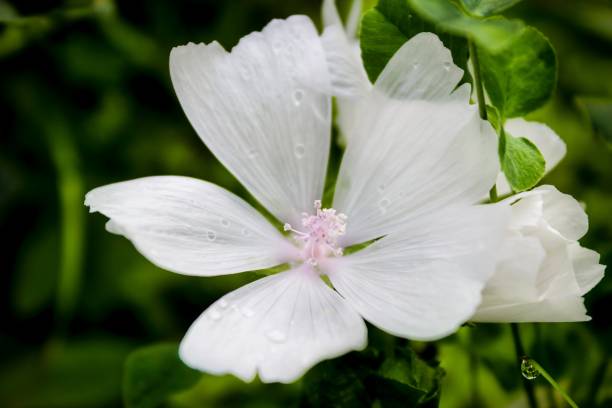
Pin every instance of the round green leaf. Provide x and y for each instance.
(521, 77)
(154, 373)
(521, 161)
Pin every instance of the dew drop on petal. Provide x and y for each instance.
(447, 66)
(211, 235)
(381, 187)
(215, 315)
(298, 95)
(246, 232)
(247, 312)
(415, 66)
(528, 370)
(299, 150)
(245, 73)
(225, 222)
(276, 336)
(252, 153)
(383, 204)
(222, 303)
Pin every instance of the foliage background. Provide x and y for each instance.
(86, 100)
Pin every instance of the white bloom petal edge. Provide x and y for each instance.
(190, 226)
(278, 327)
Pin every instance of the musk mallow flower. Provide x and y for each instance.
(543, 272)
(406, 185)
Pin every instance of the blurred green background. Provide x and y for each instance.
(86, 100)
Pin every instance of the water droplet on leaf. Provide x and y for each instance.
(528, 370)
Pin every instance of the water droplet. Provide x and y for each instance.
(276, 336)
(415, 65)
(215, 315)
(225, 222)
(299, 150)
(252, 153)
(211, 235)
(528, 370)
(246, 232)
(222, 303)
(447, 66)
(383, 204)
(276, 47)
(245, 73)
(381, 187)
(247, 312)
(298, 95)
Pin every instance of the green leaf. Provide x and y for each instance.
(521, 162)
(154, 373)
(404, 378)
(521, 77)
(599, 111)
(488, 7)
(492, 33)
(385, 28)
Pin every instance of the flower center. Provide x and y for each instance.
(319, 237)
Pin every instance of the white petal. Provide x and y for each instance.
(329, 14)
(352, 21)
(277, 327)
(348, 76)
(424, 283)
(516, 273)
(564, 309)
(263, 110)
(190, 226)
(408, 158)
(563, 213)
(421, 69)
(587, 269)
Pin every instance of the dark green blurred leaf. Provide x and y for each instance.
(77, 374)
(488, 7)
(521, 77)
(387, 27)
(36, 275)
(521, 162)
(599, 111)
(338, 383)
(492, 33)
(405, 380)
(154, 373)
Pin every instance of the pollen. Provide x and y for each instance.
(319, 234)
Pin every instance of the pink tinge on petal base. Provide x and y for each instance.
(319, 239)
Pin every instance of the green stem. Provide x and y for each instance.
(520, 354)
(553, 383)
(482, 106)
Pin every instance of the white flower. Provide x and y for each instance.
(543, 272)
(551, 146)
(408, 179)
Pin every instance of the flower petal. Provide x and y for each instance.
(562, 309)
(546, 140)
(421, 69)
(264, 110)
(190, 226)
(563, 213)
(408, 158)
(587, 269)
(425, 282)
(277, 327)
(348, 77)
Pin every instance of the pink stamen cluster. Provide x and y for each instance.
(321, 234)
